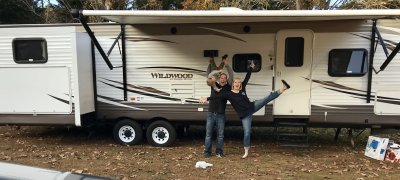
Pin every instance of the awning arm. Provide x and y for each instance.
(389, 57)
(381, 41)
(115, 42)
(78, 15)
(371, 61)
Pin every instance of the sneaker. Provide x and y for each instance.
(286, 84)
(206, 155)
(220, 155)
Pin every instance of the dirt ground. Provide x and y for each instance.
(78, 150)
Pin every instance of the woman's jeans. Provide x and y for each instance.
(246, 120)
(215, 121)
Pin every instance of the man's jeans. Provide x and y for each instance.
(246, 120)
(215, 121)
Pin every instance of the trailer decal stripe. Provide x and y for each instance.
(390, 44)
(62, 100)
(221, 33)
(332, 84)
(145, 88)
(172, 67)
(363, 96)
(151, 95)
(384, 100)
(388, 101)
(138, 39)
(113, 101)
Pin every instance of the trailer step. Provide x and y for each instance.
(294, 124)
(291, 132)
(294, 145)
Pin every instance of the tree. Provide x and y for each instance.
(158, 4)
(199, 5)
(61, 11)
(308, 4)
(263, 4)
(372, 4)
(20, 11)
(44, 11)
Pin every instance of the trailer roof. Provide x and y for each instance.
(227, 15)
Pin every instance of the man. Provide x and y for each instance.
(216, 112)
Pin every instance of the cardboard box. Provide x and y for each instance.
(376, 147)
(393, 153)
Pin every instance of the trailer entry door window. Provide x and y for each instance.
(32, 50)
(348, 62)
(241, 62)
(294, 51)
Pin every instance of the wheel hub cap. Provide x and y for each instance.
(160, 135)
(126, 134)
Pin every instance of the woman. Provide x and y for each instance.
(242, 105)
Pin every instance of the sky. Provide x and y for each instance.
(51, 1)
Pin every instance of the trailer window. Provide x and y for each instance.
(32, 50)
(241, 62)
(294, 51)
(348, 62)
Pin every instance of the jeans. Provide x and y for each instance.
(215, 121)
(246, 120)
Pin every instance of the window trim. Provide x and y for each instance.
(365, 58)
(27, 61)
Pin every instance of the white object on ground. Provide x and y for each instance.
(394, 145)
(203, 164)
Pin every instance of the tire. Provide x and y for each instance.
(161, 134)
(128, 132)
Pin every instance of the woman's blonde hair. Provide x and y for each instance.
(233, 82)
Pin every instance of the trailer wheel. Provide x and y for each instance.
(128, 132)
(161, 134)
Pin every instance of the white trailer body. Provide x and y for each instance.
(153, 73)
(46, 75)
(168, 47)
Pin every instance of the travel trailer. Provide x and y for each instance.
(144, 71)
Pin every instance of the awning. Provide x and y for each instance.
(228, 15)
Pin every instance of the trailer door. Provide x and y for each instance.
(293, 64)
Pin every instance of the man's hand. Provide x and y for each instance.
(203, 100)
